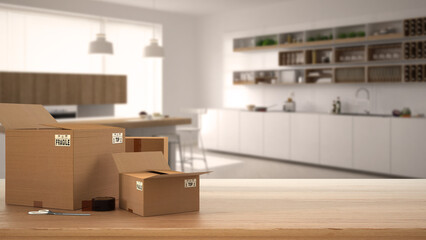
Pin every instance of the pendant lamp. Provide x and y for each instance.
(101, 45)
(154, 50)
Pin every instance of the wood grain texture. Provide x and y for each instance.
(132, 122)
(252, 209)
(62, 89)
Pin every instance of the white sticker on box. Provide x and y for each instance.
(190, 183)
(62, 140)
(139, 185)
(117, 138)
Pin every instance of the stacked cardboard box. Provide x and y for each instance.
(54, 165)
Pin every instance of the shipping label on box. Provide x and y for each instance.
(62, 140)
(117, 138)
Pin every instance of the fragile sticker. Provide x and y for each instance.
(62, 140)
(139, 185)
(190, 183)
(117, 138)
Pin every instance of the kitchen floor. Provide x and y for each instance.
(226, 165)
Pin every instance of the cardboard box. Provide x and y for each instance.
(54, 165)
(148, 187)
(148, 144)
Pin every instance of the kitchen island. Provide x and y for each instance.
(136, 127)
(251, 209)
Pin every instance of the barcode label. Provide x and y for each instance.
(190, 183)
(62, 140)
(139, 185)
(117, 138)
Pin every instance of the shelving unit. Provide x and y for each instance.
(291, 58)
(393, 51)
(349, 75)
(385, 52)
(320, 75)
(415, 73)
(378, 74)
(318, 56)
(349, 54)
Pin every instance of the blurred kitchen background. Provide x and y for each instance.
(243, 88)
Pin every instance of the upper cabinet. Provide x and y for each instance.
(62, 89)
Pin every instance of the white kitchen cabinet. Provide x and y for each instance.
(336, 141)
(251, 133)
(408, 147)
(229, 125)
(304, 137)
(371, 148)
(209, 129)
(276, 137)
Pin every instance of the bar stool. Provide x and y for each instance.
(175, 139)
(187, 135)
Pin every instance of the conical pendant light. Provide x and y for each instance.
(101, 45)
(153, 50)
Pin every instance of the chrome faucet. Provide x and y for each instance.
(367, 93)
(360, 90)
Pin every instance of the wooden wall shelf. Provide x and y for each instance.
(62, 89)
(366, 53)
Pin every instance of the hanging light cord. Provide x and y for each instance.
(153, 25)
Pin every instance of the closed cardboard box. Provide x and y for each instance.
(54, 165)
(148, 187)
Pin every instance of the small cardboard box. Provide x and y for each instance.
(54, 165)
(148, 187)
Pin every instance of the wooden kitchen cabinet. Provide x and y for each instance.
(408, 147)
(371, 144)
(229, 125)
(62, 89)
(276, 137)
(336, 141)
(209, 129)
(251, 133)
(305, 137)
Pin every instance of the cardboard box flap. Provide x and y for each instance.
(178, 174)
(74, 126)
(131, 162)
(21, 116)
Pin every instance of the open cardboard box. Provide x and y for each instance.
(148, 187)
(54, 165)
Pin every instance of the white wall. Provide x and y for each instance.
(217, 61)
(179, 73)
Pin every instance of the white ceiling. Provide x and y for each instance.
(194, 7)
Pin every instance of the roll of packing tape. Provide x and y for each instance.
(103, 204)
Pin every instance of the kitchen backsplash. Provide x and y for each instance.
(383, 98)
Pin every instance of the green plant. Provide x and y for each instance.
(352, 34)
(311, 39)
(360, 34)
(268, 42)
(259, 43)
(342, 35)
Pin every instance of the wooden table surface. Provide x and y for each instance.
(130, 122)
(252, 209)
